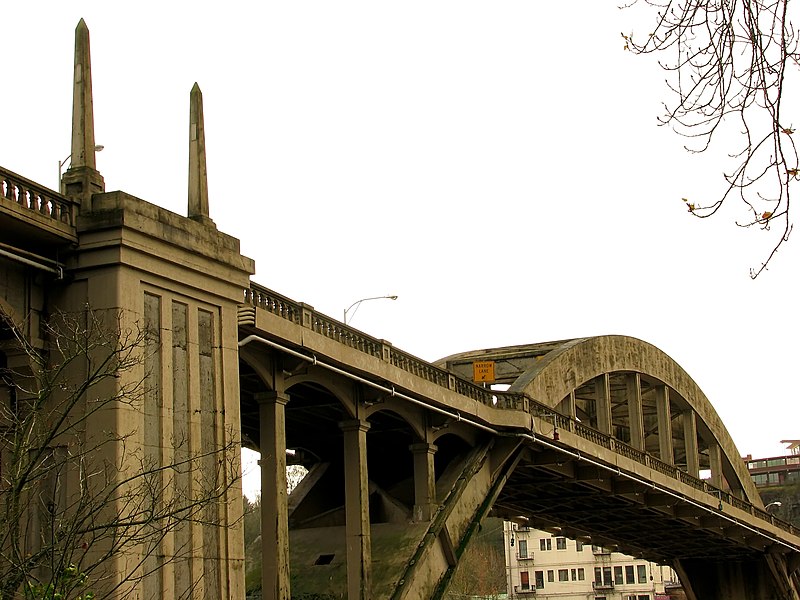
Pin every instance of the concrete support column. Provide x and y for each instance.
(571, 409)
(690, 442)
(424, 481)
(274, 510)
(715, 457)
(603, 403)
(633, 393)
(356, 504)
(665, 448)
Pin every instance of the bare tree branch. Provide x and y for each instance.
(727, 62)
(74, 497)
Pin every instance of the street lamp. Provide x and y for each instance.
(776, 504)
(357, 303)
(61, 163)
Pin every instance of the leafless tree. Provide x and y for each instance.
(76, 493)
(728, 65)
(481, 572)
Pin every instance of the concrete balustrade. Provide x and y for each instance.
(37, 202)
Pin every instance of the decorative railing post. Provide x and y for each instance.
(306, 315)
(386, 351)
(451, 381)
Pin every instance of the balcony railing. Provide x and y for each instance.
(600, 585)
(525, 557)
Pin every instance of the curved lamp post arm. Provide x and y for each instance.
(357, 303)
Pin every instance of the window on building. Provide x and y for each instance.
(545, 544)
(523, 548)
(551, 575)
(581, 574)
(563, 574)
(629, 578)
(642, 571)
(578, 546)
(607, 577)
(539, 575)
(524, 580)
(574, 573)
(618, 580)
(598, 576)
(561, 543)
(644, 597)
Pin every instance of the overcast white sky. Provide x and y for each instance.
(497, 165)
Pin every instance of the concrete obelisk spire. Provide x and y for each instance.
(82, 178)
(198, 177)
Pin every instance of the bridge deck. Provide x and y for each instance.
(583, 482)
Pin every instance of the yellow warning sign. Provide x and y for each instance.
(483, 371)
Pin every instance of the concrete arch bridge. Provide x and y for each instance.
(601, 439)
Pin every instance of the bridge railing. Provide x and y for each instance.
(302, 314)
(37, 198)
(604, 440)
(640, 456)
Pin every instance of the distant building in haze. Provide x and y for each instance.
(776, 470)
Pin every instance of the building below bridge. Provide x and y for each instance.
(542, 565)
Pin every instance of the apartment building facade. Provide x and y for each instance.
(542, 565)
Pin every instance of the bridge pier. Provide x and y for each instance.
(424, 481)
(274, 510)
(356, 495)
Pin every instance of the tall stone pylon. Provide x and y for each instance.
(82, 178)
(198, 176)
